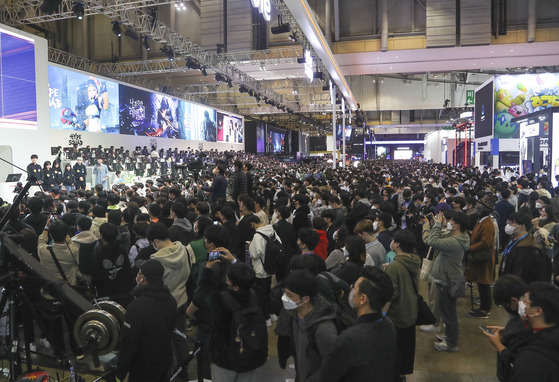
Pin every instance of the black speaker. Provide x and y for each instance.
(50, 6)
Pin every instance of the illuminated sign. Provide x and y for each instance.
(264, 7)
(309, 65)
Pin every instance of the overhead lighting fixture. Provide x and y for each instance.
(293, 37)
(170, 53)
(318, 75)
(180, 6)
(281, 28)
(263, 66)
(192, 64)
(145, 43)
(203, 70)
(116, 29)
(220, 48)
(131, 34)
(300, 60)
(78, 10)
(243, 89)
(229, 83)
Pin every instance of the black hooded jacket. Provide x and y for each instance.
(145, 347)
(537, 358)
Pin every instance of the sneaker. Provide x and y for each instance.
(32, 347)
(78, 353)
(441, 337)
(268, 322)
(469, 285)
(443, 346)
(273, 317)
(478, 313)
(44, 343)
(430, 328)
(477, 301)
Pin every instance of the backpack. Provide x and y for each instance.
(273, 254)
(86, 257)
(342, 321)
(248, 341)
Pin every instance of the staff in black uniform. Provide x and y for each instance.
(35, 171)
(79, 174)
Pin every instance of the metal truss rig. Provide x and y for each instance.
(134, 18)
(109, 70)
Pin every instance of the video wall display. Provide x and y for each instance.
(229, 128)
(85, 103)
(339, 129)
(276, 142)
(520, 95)
(483, 115)
(82, 102)
(18, 108)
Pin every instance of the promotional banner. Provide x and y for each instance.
(82, 102)
(483, 111)
(522, 94)
(276, 142)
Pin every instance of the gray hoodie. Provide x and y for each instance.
(451, 252)
(177, 270)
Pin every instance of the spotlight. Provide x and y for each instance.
(281, 28)
(180, 6)
(78, 10)
(170, 53)
(300, 60)
(204, 73)
(243, 89)
(293, 37)
(116, 29)
(50, 6)
(220, 48)
(229, 83)
(145, 43)
(325, 87)
(318, 75)
(131, 34)
(192, 64)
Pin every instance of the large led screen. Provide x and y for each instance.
(261, 138)
(18, 107)
(82, 102)
(148, 114)
(483, 115)
(229, 128)
(522, 94)
(276, 142)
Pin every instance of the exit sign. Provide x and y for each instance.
(470, 97)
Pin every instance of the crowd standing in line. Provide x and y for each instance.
(233, 242)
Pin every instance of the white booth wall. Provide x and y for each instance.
(24, 142)
(435, 148)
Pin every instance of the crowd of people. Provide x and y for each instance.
(333, 257)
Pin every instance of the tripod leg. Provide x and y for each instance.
(15, 361)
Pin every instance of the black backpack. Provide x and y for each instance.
(273, 254)
(248, 341)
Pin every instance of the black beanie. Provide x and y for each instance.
(152, 271)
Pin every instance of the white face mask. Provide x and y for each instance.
(509, 229)
(375, 225)
(449, 226)
(431, 180)
(350, 299)
(288, 304)
(424, 200)
(346, 253)
(447, 195)
(522, 310)
(538, 206)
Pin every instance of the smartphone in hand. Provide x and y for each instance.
(486, 329)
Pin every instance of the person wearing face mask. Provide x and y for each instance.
(536, 356)
(376, 253)
(448, 264)
(367, 350)
(507, 292)
(404, 273)
(522, 255)
(145, 352)
(504, 209)
(544, 229)
(312, 328)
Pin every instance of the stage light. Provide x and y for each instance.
(229, 83)
(300, 60)
(192, 64)
(281, 28)
(170, 53)
(79, 11)
(293, 37)
(145, 43)
(116, 29)
(318, 75)
(243, 89)
(204, 73)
